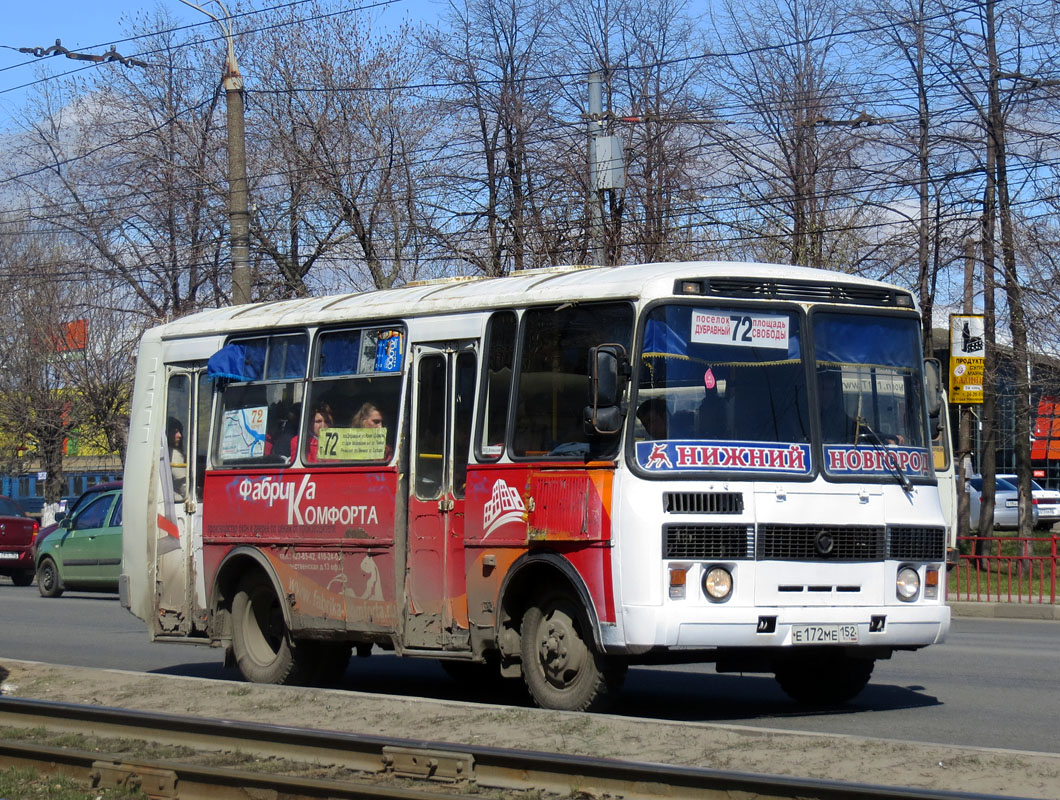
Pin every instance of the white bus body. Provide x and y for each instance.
(556, 474)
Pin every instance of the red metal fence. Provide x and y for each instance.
(1009, 569)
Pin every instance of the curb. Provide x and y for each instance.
(992, 610)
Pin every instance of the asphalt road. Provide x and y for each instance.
(994, 683)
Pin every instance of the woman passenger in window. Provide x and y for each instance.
(322, 418)
(178, 464)
(369, 416)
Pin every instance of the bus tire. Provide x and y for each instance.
(561, 668)
(48, 583)
(24, 578)
(825, 680)
(261, 643)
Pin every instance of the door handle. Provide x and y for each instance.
(445, 504)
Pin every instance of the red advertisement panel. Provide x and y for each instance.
(328, 534)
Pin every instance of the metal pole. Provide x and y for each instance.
(238, 211)
(596, 128)
(238, 204)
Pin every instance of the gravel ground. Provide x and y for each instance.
(726, 747)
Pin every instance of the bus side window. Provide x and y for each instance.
(554, 374)
(265, 384)
(496, 395)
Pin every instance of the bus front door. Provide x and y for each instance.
(180, 599)
(443, 404)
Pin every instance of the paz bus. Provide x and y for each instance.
(554, 475)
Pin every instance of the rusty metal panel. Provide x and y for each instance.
(570, 506)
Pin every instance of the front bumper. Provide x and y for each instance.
(645, 627)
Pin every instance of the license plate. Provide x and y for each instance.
(1012, 503)
(824, 634)
(10, 555)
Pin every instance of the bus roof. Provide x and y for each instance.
(556, 284)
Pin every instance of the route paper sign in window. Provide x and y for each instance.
(740, 329)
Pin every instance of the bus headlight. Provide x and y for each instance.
(717, 584)
(908, 584)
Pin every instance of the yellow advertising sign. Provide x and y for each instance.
(352, 444)
(967, 352)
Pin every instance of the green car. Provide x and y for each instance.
(84, 550)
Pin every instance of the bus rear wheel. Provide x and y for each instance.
(561, 668)
(828, 679)
(261, 643)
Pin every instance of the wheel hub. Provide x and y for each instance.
(561, 649)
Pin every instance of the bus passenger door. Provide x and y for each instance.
(180, 590)
(443, 406)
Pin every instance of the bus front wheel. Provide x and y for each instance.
(560, 666)
(828, 679)
(261, 642)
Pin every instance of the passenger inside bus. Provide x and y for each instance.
(322, 418)
(283, 432)
(368, 416)
(178, 464)
(652, 415)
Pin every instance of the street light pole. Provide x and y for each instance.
(238, 205)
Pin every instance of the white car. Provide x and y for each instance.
(1047, 501)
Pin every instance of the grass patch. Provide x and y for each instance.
(27, 784)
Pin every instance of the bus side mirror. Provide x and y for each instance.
(609, 373)
(933, 385)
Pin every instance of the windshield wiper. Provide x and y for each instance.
(890, 461)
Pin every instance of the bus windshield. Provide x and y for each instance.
(726, 389)
(722, 375)
(869, 380)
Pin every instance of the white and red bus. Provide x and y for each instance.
(556, 474)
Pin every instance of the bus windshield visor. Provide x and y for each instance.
(869, 373)
(722, 389)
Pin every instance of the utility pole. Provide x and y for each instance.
(607, 169)
(596, 131)
(238, 204)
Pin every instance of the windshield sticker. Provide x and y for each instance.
(728, 456)
(243, 432)
(740, 329)
(849, 460)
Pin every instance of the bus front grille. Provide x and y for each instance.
(820, 543)
(708, 541)
(703, 502)
(917, 543)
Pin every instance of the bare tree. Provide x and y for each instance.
(132, 168)
(336, 150)
(493, 55)
(37, 409)
(793, 157)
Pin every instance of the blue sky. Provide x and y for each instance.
(96, 25)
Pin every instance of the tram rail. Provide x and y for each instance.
(445, 770)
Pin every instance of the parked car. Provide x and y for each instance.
(18, 532)
(84, 550)
(1046, 500)
(67, 511)
(1006, 502)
